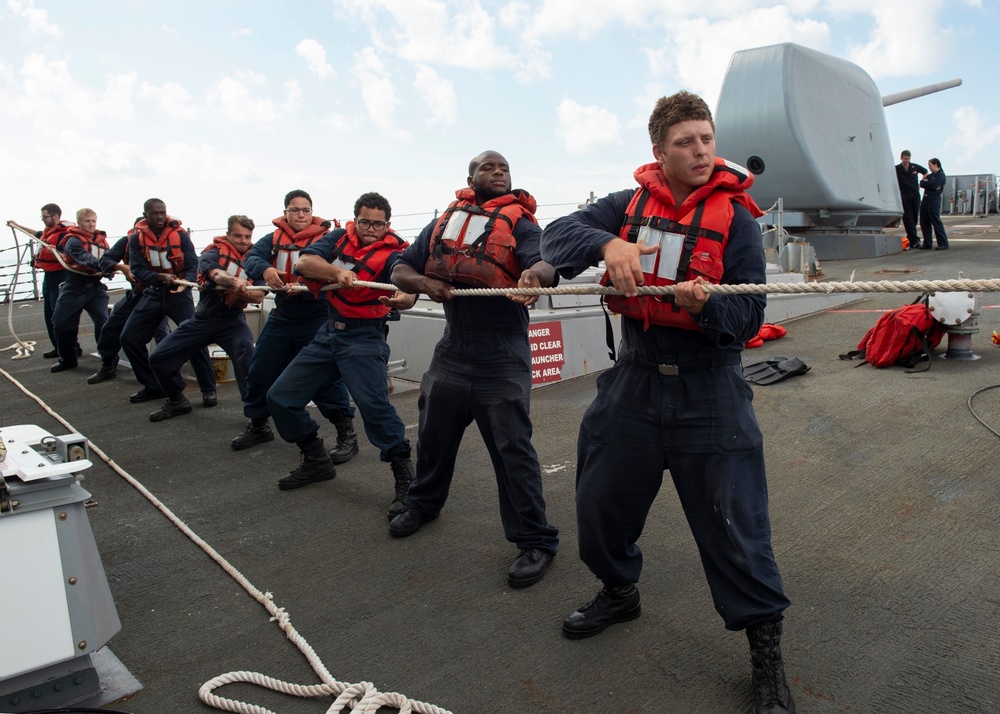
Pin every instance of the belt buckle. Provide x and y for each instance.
(339, 325)
(671, 370)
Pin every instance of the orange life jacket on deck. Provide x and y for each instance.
(164, 254)
(475, 245)
(94, 243)
(55, 237)
(367, 262)
(286, 244)
(692, 238)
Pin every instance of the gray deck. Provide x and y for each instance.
(884, 499)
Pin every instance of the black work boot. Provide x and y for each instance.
(347, 441)
(768, 669)
(258, 432)
(315, 466)
(402, 472)
(175, 406)
(615, 603)
(108, 370)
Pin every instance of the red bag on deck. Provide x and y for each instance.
(904, 336)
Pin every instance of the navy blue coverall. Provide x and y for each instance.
(930, 210)
(909, 193)
(481, 371)
(698, 423)
(214, 322)
(157, 302)
(352, 352)
(110, 341)
(290, 326)
(76, 294)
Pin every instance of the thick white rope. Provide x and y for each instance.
(51, 249)
(360, 698)
(879, 286)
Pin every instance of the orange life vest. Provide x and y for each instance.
(94, 243)
(475, 245)
(164, 254)
(231, 261)
(692, 238)
(286, 244)
(55, 236)
(367, 262)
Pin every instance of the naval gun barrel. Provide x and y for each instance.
(890, 99)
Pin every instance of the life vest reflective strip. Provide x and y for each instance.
(691, 245)
(286, 244)
(164, 254)
(475, 245)
(230, 259)
(55, 237)
(94, 243)
(367, 262)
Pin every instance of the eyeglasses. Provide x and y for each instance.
(304, 211)
(44, 217)
(364, 224)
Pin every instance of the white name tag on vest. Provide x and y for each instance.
(666, 262)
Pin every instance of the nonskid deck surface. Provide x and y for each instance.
(883, 491)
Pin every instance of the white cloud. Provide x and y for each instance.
(644, 105)
(315, 56)
(171, 99)
(660, 60)
(452, 34)
(43, 89)
(293, 100)
(255, 78)
(242, 32)
(232, 100)
(439, 95)
(377, 89)
(972, 135)
(169, 30)
(907, 38)
(37, 20)
(700, 67)
(583, 129)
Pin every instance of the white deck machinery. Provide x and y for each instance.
(57, 603)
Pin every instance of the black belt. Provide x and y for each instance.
(708, 363)
(353, 323)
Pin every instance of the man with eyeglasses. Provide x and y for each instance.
(481, 369)
(290, 326)
(350, 347)
(54, 234)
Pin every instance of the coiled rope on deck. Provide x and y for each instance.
(360, 698)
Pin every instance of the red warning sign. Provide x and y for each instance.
(547, 356)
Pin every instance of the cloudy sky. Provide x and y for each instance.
(222, 106)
